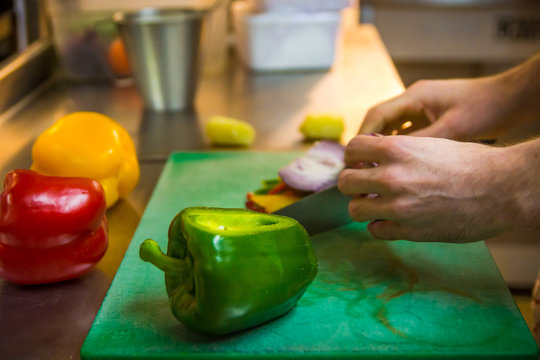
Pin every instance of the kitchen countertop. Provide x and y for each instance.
(51, 321)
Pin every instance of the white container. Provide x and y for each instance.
(306, 6)
(285, 41)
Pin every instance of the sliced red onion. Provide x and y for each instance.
(317, 170)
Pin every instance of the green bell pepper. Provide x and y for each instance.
(231, 269)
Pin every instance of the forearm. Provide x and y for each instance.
(521, 91)
(526, 184)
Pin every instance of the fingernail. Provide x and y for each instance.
(376, 134)
(368, 196)
(367, 165)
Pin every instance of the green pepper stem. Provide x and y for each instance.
(151, 252)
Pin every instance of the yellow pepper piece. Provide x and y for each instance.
(274, 202)
(92, 145)
(223, 130)
(322, 126)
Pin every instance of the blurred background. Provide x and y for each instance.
(426, 38)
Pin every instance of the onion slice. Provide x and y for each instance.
(317, 170)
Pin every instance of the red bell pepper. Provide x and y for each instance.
(51, 228)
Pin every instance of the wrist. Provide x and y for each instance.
(525, 158)
(520, 87)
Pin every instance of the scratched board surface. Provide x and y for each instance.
(370, 299)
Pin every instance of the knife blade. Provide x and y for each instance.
(328, 209)
(322, 211)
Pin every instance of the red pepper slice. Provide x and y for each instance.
(279, 187)
(51, 228)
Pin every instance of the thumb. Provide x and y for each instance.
(387, 230)
(444, 127)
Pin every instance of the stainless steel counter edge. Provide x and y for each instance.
(24, 72)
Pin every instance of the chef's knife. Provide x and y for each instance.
(328, 209)
(322, 211)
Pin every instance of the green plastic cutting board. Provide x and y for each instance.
(370, 299)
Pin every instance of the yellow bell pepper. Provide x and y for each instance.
(91, 145)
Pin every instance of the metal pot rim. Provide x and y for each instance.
(157, 16)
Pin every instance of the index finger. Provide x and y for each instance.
(364, 149)
(404, 105)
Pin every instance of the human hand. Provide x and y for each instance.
(431, 189)
(535, 304)
(456, 109)
(464, 109)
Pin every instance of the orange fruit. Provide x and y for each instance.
(118, 59)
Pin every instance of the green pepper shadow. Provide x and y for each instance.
(153, 312)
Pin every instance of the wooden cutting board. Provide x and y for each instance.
(370, 299)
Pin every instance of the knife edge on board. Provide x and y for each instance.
(319, 212)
